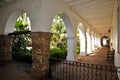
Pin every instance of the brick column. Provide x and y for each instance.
(5, 48)
(40, 54)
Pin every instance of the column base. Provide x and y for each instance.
(71, 58)
(44, 75)
(82, 54)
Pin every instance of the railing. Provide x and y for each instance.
(71, 70)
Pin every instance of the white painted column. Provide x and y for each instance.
(88, 44)
(89, 47)
(82, 47)
(93, 43)
(98, 42)
(71, 55)
(82, 44)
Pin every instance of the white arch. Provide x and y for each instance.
(88, 41)
(70, 37)
(12, 20)
(68, 24)
(82, 39)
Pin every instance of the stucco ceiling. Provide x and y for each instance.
(98, 13)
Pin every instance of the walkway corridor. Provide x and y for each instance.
(21, 71)
(98, 57)
(15, 71)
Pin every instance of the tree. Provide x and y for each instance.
(20, 41)
(59, 33)
(78, 41)
(21, 23)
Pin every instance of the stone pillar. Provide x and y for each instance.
(40, 54)
(5, 48)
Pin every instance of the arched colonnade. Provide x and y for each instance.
(41, 21)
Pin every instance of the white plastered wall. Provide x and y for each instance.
(116, 34)
(32, 8)
(41, 14)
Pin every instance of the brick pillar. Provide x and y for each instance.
(5, 48)
(40, 54)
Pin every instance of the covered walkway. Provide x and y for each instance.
(21, 71)
(98, 57)
(93, 20)
(15, 71)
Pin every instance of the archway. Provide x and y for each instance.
(88, 41)
(82, 39)
(58, 45)
(11, 21)
(18, 25)
(105, 41)
(22, 42)
(69, 36)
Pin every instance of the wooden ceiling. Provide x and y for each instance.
(98, 13)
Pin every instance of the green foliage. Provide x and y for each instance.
(20, 42)
(21, 23)
(59, 34)
(78, 50)
(78, 42)
(23, 55)
(58, 53)
(58, 41)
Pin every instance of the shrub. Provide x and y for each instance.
(58, 53)
(78, 50)
(23, 55)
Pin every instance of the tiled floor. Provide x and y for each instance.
(21, 71)
(98, 57)
(15, 71)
